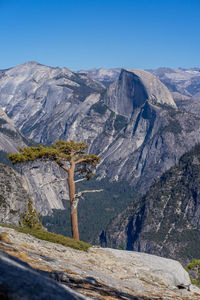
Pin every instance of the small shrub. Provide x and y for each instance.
(193, 264)
(193, 269)
(30, 218)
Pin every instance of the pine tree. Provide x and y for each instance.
(70, 156)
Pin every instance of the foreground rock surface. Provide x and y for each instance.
(96, 274)
(32, 283)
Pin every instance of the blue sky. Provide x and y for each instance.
(82, 34)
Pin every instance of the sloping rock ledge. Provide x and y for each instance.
(30, 267)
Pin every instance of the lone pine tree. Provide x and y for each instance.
(70, 156)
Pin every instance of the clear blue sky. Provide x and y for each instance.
(82, 34)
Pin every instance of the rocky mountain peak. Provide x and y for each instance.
(133, 89)
(156, 90)
(32, 62)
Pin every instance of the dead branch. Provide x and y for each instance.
(80, 180)
(78, 195)
(62, 179)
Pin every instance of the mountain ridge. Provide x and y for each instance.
(165, 221)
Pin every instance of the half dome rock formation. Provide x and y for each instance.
(157, 91)
(133, 89)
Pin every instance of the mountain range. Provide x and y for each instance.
(140, 123)
(132, 125)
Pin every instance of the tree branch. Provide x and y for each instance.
(80, 180)
(78, 195)
(65, 168)
(80, 161)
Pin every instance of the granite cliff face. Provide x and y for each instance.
(154, 135)
(166, 220)
(14, 195)
(42, 180)
(32, 94)
(133, 90)
(10, 137)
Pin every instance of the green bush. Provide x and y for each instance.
(30, 218)
(194, 269)
(193, 264)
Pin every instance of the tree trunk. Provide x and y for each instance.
(73, 203)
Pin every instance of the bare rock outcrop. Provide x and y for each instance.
(98, 273)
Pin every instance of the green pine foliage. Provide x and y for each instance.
(30, 218)
(61, 150)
